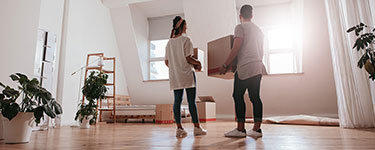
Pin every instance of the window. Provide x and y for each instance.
(158, 70)
(282, 35)
(282, 54)
(159, 32)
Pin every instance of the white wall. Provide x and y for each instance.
(310, 93)
(89, 30)
(140, 91)
(140, 24)
(51, 20)
(18, 37)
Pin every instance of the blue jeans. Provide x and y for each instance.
(178, 94)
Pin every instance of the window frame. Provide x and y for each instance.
(295, 49)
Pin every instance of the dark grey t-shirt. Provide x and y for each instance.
(250, 56)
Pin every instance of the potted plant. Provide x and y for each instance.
(366, 42)
(93, 89)
(19, 118)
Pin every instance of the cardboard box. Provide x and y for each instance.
(218, 51)
(206, 109)
(199, 54)
(164, 114)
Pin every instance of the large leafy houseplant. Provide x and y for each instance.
(34, 98)
(366, 42)
(93, 89)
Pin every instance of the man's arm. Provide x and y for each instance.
(237, 43)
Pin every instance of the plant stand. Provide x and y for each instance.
(112, 84)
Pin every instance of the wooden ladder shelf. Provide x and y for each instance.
(112, 96)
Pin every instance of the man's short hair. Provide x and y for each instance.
(246, 11)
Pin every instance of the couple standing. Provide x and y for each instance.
(247, 47)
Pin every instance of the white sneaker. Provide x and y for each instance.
(235, 133)
(199, 131)
(181, 133)
(255, 134)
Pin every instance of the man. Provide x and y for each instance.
(248, 48)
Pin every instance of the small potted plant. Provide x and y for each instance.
(19, 118)
(366, 42)
(93, 89)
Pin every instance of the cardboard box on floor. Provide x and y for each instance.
(206, 109)
(164, 113)
(218, 51)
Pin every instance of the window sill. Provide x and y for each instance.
(161, 80)
(284, 74)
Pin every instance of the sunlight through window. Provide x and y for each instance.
(280, 38)
(158, 70)
(157, 48)
(281, 63)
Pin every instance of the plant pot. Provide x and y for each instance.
(18, 130)
(370, 68)
(85, 124)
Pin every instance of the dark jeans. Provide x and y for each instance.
(252, 85)
(178, 95)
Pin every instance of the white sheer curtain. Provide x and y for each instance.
(355, 92)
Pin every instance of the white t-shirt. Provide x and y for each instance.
(181, 73)
(250, 56)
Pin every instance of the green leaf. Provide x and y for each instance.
(2, 97)
(351, 29)
(77, 114)
(38, 114)
(57, 107)
(362, 60)
(10, 111)
(14, 77)
(10, 92)
(23, 79)
(2, 85)
(357, 32)
(48, 110)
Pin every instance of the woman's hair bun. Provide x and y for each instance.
(176, 20)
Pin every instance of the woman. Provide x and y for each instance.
(178, 58)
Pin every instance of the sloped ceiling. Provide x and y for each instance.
(157, 8)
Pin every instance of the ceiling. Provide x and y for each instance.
(255, 3)
(156, 8)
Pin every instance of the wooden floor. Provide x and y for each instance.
(143, 136)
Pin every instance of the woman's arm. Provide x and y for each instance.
(197, 64)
